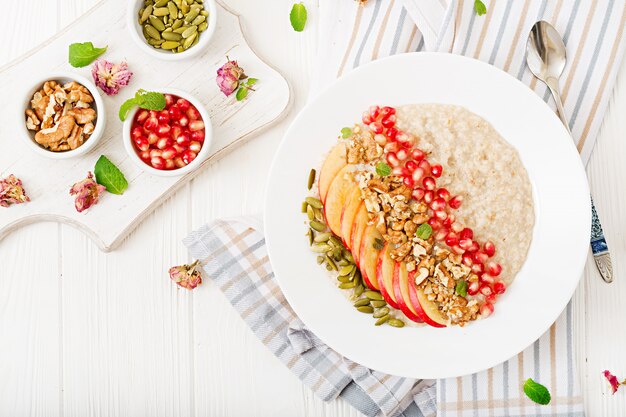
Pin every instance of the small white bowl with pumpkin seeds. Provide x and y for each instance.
(172, 30)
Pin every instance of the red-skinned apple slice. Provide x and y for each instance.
(360, 223)
(368, 257)
(384, 274)
(341, 187)
(425, 309)
(334, 162)
(401, 284)
(350, 210)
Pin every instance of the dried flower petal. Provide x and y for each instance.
(87, 193)
(228, 77)
(110, 77)
(612, 380)
(186, 276)
(12, 192)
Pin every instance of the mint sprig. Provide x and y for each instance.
(383, 169)
(424, 231)
(83, 54)
(245, 88)
(537, 392)
(479, 7)
(110, 176)
(346, 132)
(461, 288)
(148, 100)
(298, 17)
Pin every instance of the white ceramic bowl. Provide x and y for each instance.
(202, 155)
(136, 32)
(63, 77)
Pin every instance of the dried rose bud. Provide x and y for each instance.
(612, 380)
(186, 276)
(12, 192)
(228, 77)
(110, 77)
(87, 193)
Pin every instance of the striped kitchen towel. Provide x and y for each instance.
(234, 256)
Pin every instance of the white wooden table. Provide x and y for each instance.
(86, 333)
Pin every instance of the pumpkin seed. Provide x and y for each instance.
(330, 262)
(396, 323)
(336, 254)
(157, 23)
(347, 285)
(318, 227)
(199, 19)
(205, 13)
(320, 247)
(320, 259)
(378, 244)
(155, 43)
(336, 242)
(152, 32)
(314, 202)
(145, 14)
(381, 312)
(373, 295)
(181, 29)
(348, 256)
(304, 206)
(173, 10)
(344, 279)
(362, 302)
(310, 231)
(160, 3)
(378, 303)
(202, 27)
(160, 11)
(171, 36)
(382, 320)
(366, 309)
(177, 23)
(311, 175)
(193, 13)
(343, 262)
(190, 40)
(190, 31)
(346, 270)
(328, 267)
(319, 215)
(309, 211)
(322, 237)
(358, 290)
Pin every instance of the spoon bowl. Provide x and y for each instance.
(545, 51)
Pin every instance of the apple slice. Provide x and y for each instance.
(342, 186)
(368, 256)
(334, 162)
(350, 209)
(384, 274)
(426, 310)
(358, 228)
(401, 284)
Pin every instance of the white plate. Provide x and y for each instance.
(557, 253)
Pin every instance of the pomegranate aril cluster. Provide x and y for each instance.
(171, 138)
(417, 173)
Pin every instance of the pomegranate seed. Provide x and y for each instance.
(485, 289)
(465, 243)
(408, 181)
(188, 156)
(174, 113)
(494, 269)
(157, 162)
(169, 100)
(179, 162)
(183, 139)
(183, 121)
(198, 135)
(392, 159)
(478, 268)
(457, 227)
(406, 139)
(163, 130)
(400, 171)
(480, 256)
(169, 153)
(429, 183)
(425, 165)
(142, 144)
(366, 118)
(183, 104)
(434, 223)
(441, 234)
(486, 310)
(436, 170)
(417, 154)
(458, 250)
(151, 123)
(169, 164)
(176, 131)
(193, 113)
(142, 115)
(196, 125)
(443, 193)
(429, 196)
(499, 287)
(387, 111)
(438, 204)
(455, 202)
(473, 288)
(145, 156)
(164, 117)
(467, 259)
(155, 152)
(450, 220)
(418, 194)
(467, 233)
(489, 248)
(418, 173)
(486, 279)
(452, 239)
(195, 146)
(392, 132)
(380, 139)
(179, 149)
(475, 246)
(491, 298)
(411, 166)
(136, 133)
(388, 121)
(392, 147)
(162, 143)
(376, 127)
(402, 154)
(440, 214)
(374, 111)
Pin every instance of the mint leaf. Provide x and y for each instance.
(536, 392)
(242, 93)
(298, 17)
(251, 81)
(424, 231)
(83, 54)
(383, 169)
(126, 107)
(346, 132)
(150, 100)
(480, 7)
(461, 288)
(110, 176)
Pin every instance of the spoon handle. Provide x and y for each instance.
(598, 243)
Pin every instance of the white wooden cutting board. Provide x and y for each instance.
(47, 181)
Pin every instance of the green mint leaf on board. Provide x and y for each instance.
(461, 288)
(346, 132)
(83, 54)
(126, 107)
(383, 169)
(242, 93)
(536, 392)
(424, 231)
(150, 100)
(251, 81)
(480, 7)
(298, 17)
(110, 176)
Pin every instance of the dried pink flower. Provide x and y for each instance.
(228, 77)
(110, 77)
(186, 276)
(87, 193)
(12, 192)
(612, 380)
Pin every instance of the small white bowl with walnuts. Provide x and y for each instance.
(63, 117)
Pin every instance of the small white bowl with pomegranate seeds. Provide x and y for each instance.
(170, 142)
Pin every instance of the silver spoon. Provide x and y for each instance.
(546, 58)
